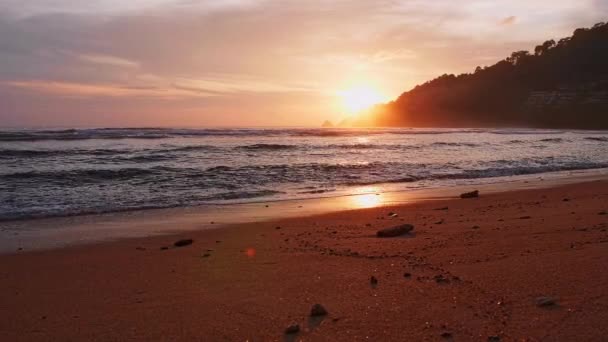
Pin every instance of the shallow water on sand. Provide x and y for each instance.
(70, 172)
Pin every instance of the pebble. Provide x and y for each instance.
(395, 231)
(472, 194)
(545, 301)
(293, 329)
(446, 335)
(317, 310)
(440, 279)
(183, 242)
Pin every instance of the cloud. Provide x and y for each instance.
(237, 85)
(68, 89)
(391, 55)
(109, 60)
(509, 20)
(152, 86)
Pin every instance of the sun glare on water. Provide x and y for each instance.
(359, 98)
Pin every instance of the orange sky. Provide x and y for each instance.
(247, 62)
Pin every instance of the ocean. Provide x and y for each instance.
(66, 172)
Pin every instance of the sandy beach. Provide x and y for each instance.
(525, 265)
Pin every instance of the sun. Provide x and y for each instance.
(359, 98)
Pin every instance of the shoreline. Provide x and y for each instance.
(59, 232)
(473, 269)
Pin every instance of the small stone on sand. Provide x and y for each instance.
(472, 194)
(440, 279)
(395, 231)
(182, 243)
(373, 280)
(293, 328)
(446, 335)
(317, 310)
(545, 301)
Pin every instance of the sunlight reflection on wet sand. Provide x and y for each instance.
(366, 197)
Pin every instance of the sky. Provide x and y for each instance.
(182, 63)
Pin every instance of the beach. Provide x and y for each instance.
(521, 265)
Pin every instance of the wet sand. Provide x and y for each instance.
(472, 270)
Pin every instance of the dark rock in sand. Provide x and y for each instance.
(446, 335)
(395, 231)
(392, 214)
(494, 339)
(440, 279)
(407, 275)
(472, 194)
(525, 217)
(317, 310)
(543, 302)
(443, 208)
(293, 329)
(602, 213)
(206, 255)
(164, 248)
(373, 280)
(182, 243)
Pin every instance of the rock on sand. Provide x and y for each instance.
(395, 231)
(472, 194)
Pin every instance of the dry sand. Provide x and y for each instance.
(476, 271)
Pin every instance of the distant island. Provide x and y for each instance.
(561, 84)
